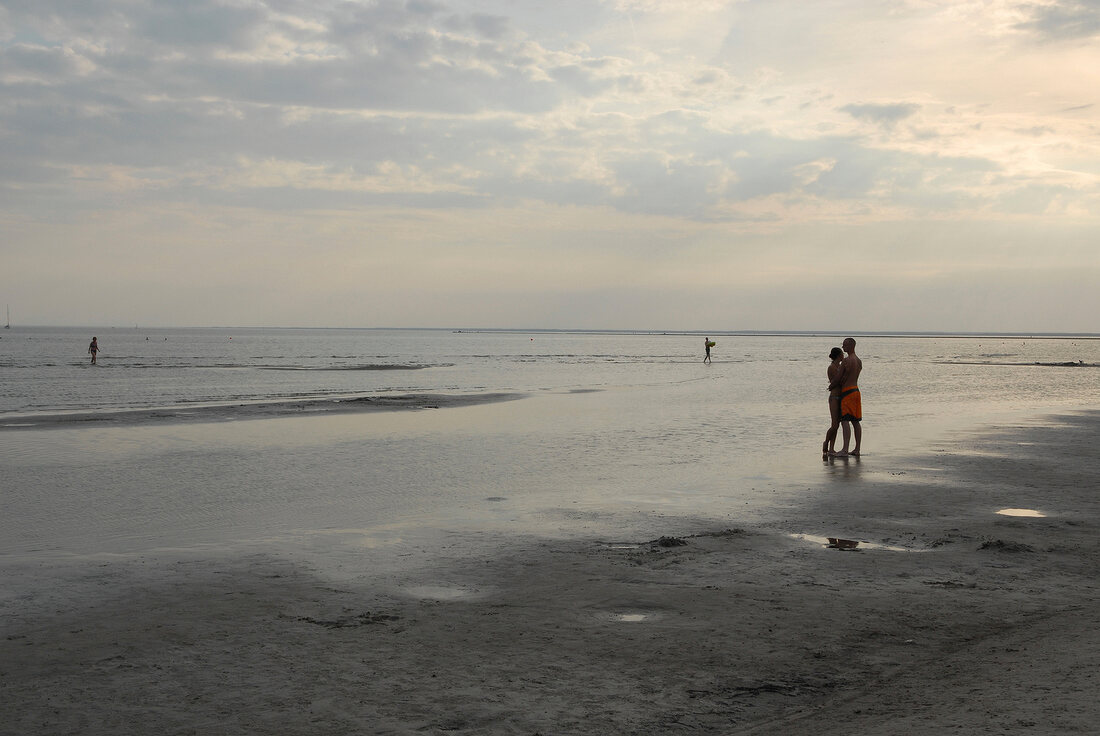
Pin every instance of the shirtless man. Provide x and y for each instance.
(851, 409)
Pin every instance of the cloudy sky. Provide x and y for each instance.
(630, 164)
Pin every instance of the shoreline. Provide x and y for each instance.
(223, 412)
(983, 623)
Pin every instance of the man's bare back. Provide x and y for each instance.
(850, 368)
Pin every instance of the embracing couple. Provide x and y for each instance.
(844, 404)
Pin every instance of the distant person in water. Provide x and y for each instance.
(851, 408)
(706, 346)
(93, 349)
(828, 447)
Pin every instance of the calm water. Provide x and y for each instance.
(617, 436)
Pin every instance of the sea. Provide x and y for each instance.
(159, 446)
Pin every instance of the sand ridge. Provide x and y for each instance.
(222, 412)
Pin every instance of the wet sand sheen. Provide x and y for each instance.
(744, 629)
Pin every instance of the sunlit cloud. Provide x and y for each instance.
(739, 127)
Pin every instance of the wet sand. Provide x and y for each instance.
(946, 616)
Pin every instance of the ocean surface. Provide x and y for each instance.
(606, 436)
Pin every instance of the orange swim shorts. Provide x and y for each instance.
(851, 409)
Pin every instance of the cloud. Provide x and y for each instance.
(29, 64)
(652, 133)
(415, 104)
(1063, 20)
(888, 114)
(198, 23)
(386, 55)
(671, 6)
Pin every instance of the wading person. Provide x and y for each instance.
(93, 348)
(828, 447)
(851, 408)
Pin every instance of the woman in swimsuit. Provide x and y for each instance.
(828, 446)
(93, 349)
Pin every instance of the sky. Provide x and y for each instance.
(847, 165)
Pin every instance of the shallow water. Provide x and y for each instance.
(619, 436)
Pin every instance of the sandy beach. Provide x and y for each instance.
(946, 617)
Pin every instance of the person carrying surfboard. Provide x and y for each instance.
(707, 345)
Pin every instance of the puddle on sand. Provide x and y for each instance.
(824, 542)
(1032, 513)
(631, 617)
(628, 617)
(439, 592)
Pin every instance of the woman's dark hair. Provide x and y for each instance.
(835, 353)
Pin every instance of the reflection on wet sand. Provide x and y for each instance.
(1022, 512)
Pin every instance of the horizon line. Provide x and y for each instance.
(611, 331)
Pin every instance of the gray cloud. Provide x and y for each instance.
(395, 92)
(197, 23)
(1064, 20)
(676, 166)
(881, 114)
(387, 55)
(39, 65)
